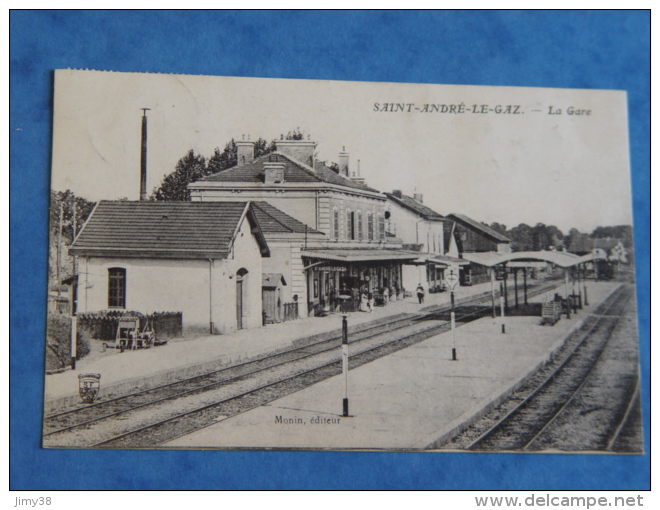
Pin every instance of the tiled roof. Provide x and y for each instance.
(583, 243)
(181, 229)
(606, 244)
(272, 220)
(415, 206)
(294, 172)
(461, 218)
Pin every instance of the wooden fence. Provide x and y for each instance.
(290, 311)
(103, 325)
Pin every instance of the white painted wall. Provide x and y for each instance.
(285, 259)
(177, 285)
(412, 229)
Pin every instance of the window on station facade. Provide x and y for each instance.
(335, 223)
(370, 226)
(359, 226)
(117, 287)
(381, 227)
(350, 225)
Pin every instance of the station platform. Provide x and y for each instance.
(181, 358)
(409, 400)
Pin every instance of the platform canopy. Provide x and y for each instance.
(558, 258)
(440, 261)
(348, 255)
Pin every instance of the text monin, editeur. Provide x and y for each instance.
(316, 420)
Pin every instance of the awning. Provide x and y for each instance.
(558, 258)
(484, 259)
(340, 255)
(446, 261)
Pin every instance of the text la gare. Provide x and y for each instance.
(571, 110)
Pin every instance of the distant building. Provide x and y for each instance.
(356, 255)
(475, 237)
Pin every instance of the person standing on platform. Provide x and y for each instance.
(364, 302)
(420, 293)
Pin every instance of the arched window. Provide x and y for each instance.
(116, 287)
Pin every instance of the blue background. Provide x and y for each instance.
(608, 50)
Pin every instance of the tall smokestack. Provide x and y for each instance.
(343, 163)
(143, 157)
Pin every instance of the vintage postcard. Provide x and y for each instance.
(243, 263)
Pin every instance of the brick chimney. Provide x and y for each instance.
(419, 197)
(300, 150)
(244, 151)
(274, 170)
(343, 163)
(397, 193)
(356, 177)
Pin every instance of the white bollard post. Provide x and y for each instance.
(344, 360)
(74, 341)
(502, 312)
(453, 336)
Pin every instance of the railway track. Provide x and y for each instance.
(542, 414)
(150, 417)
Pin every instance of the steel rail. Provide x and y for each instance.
(613, 299)
(626, 416)
(208, 386)
(432, 330)
(574, 392)
(406, 321)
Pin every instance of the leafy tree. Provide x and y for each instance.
(295, 134)
(75, 211)
(498, 227)
(623, 232)
(555, 236)
(521, 237)
(190, 168)
(571, 237)
(193, 167)
(222, 160)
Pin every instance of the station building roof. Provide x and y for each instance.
(294, 172)
(177, 229)
(413, 205)
(274, 221)
(469, 222)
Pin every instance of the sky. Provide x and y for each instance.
(526, 164)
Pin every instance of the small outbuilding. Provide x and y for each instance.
(203, 259)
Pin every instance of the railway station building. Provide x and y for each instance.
(427, 232)
(355, 255)
(208, 260)
(474, 237)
